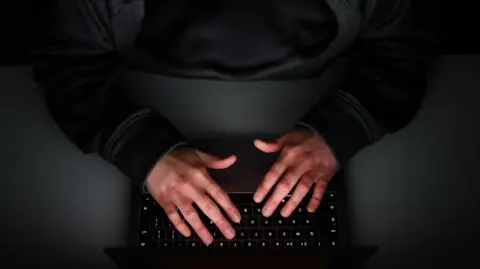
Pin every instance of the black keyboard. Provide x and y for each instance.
(302, 230)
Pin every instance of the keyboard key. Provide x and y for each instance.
(329, 196)
(159, 235)
(308, 221)
(216, 233)
(180, 245)
(277, 244)
(284, 234)
(252, 221)
(293, 221)
(144, 234)
(249, 244)
(270, 234)
(257, 210)
(311, 234)
(147, 199)
(234, 244)
(157, 223)
(172, 235)
(298, 234)
(306, 244)
(256, 234)
(167, 223)
(221, 245)
(242, 234)
(264, 245)
(194, 245)
(289, 244)
(241, 224)
(164, 244)
(147, 210)
(245, 210)
(280, 221)
(209, 247)
(300, 211)
(210, 224)
(265, 222)
(332, 208)
(318, 244)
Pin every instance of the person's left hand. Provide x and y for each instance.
(305, 159)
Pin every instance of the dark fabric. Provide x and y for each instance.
(235, 37)
(386, 84)
(76, 67)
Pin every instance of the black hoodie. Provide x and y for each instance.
(230, 40)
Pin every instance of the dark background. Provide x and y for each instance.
(453, 21)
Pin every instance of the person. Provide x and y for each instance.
(231, 40)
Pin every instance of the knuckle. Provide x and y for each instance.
(294, 202)
(308, 161)
(210, 208)
(191, 214)
(198, 173)
(284, 185)
(182, 183)
(274, 173)
(176, 222)
(292, 151)
(222, 223)
(202, 231)
(220, 195)
(304, 185)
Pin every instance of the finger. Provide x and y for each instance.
(211, 210)
(318, 192)
(272, 176)
(284, 187)
(176, 220)
(216, 162)
(191, 215)
(221, 197)
(300, 192)
(267, 147)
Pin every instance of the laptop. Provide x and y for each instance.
(223, 118)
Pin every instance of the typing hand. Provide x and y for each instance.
(305, 159)
(181, 179)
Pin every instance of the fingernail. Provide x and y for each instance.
(237, 217)
(257, 198)
(230, 233)
(267, 211)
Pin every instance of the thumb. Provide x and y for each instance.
(268, 147)
(216, 162)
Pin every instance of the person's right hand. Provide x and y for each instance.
(180, 179)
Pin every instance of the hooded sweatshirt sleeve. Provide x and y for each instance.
(385, 85)
(75, 66)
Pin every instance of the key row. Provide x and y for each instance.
(242, 245)
(271, 234)
(323, 222)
